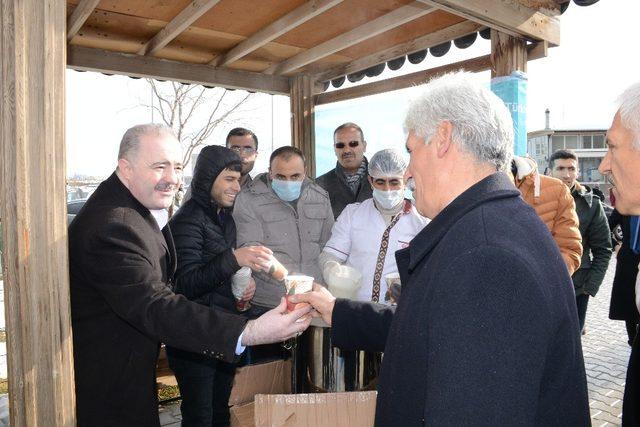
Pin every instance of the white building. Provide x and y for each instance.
(588, 144)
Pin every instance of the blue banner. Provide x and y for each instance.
(513, 91)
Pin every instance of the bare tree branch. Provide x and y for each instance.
(193, 111)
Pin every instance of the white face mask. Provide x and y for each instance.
(388, 199)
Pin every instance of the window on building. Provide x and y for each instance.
(598, 141)
(589, 170)
(571, 142)
(586, 142)
(557, 142)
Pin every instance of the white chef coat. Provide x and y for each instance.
(356, 237)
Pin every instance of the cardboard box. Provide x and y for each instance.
(264, 378)
(354, 409)
(242, 415)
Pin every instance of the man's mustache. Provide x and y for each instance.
(165, 186)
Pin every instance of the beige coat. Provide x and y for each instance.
(295, 232)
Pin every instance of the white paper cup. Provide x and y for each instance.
(393, 287)
(240, 281)
(298, 284)
(392, 278)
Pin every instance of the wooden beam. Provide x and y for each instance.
(507, 16)
(424, 42)
(384, 23)
(274, 30)
(188, 16)
(79, 16)
(303, 120)
(508, 54)
(537, 50)
(88, 59)
(481, 63)
(33, 211)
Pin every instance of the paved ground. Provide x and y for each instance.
(606, 354)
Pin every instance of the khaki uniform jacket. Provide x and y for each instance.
(554, 204)
(295, 232)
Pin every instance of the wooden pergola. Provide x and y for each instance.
(289, 47)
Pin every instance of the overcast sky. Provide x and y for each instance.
(579, 82)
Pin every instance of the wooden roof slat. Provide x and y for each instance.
(79, 16)
(478, 64)
(188, 16)
(274, 30)
(458, 30)
(88, 59)
(507, 16)
(372, 28)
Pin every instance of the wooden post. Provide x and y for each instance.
(508, 54)
(303, 120)
(33, 211)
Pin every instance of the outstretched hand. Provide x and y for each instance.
(321, 300)
(277, 325)
(257, 258)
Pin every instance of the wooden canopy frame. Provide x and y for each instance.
(289, 47)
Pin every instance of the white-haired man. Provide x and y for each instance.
(621, 166)
(122, 262)
(486, 330)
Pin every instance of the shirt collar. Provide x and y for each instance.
(161, 216)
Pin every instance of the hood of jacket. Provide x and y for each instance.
(212, 160)
(585, 192)
(525, 172)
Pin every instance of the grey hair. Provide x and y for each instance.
(630, 112)
(131, 138)
(482, 125)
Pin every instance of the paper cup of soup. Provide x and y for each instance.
(297, 284)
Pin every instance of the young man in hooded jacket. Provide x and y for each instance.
(205, 239)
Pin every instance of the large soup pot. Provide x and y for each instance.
(328, 369)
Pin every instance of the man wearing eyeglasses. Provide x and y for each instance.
(347, 183)
(245, 143)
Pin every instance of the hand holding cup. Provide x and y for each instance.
(320, 299)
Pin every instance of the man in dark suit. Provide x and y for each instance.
(348, 182)
(486, 330)
(621, 166)
(122, 260)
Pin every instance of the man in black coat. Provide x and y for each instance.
(621, 167)
(122, 262)
(205, 238)
(485, 331)
(623, 293)
(348, 182)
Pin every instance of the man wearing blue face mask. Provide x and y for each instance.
(366, 235)
(288, 213)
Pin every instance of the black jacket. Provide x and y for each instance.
(340, 194)
(623, 292)
(596, 241)
(205, 239)
(121, 309)
(486, 329)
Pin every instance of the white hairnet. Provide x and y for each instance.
(387, 163)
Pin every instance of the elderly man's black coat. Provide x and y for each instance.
(122, 308)
(486, 329)
(623, 292)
